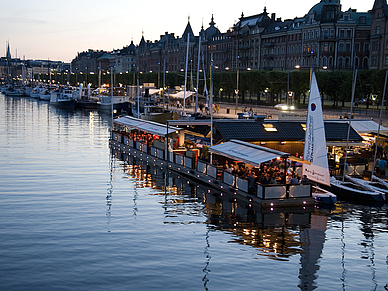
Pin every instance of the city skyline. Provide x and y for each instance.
(50, 30)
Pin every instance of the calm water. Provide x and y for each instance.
(75, 216)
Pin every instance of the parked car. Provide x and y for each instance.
(284, 107)
(365, 100)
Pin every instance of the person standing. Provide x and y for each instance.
(382, 166)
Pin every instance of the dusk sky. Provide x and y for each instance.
(57, 30)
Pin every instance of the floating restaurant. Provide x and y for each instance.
(165, 145)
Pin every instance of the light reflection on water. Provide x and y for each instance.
(76, 216)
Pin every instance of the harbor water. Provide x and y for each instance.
(76, 215)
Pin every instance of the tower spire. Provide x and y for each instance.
(8, 52)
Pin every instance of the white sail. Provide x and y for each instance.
(315, 139)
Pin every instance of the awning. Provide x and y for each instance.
(146, 126)
(363, 125)
(249, 153)
(181, 95)
(343, 144)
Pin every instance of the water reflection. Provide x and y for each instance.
(275, 235)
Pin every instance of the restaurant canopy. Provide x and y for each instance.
(188, 94)
(146, 126)
(364, 125)
(249, 153)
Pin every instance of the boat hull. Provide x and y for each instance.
(86, 104)
(66, 104)
(358, 196)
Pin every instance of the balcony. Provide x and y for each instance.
(309, 54)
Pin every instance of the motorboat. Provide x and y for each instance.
(63, 98)
(323, 196)
(376, 184)
(14, 91)
(120, 100)
(350, 190)
(84, 98)
(45, 93)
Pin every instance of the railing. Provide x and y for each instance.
(188, 162)
(229, 179)
(272, 191)
(179, 160)
(138, 145)
(212, 171)
(283, 191)
(160, 153)
(202, 167)
(242, 184)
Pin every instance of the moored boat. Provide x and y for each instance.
(62, 98)
(376, 184)
(349, 190)
(323, 196)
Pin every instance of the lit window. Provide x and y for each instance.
(303, 126)
(269, 127)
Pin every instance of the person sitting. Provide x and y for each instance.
(295, 179)
(265, 180)
(231, 169)
(251, 181)
(305, 180)
(272, 180)
(288, 178)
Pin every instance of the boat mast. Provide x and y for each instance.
(187, 57)
(211, 107)
(381, 114)
(350, 121)
(199, 57)
(138, 93)
(164, 82)
(204, 78)
(111, 94)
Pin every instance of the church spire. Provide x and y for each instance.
(212, 23)
(8, 52)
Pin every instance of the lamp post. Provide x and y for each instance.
(238, 73)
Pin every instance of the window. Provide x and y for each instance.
(374, 61)
(386, 60)
(357, 47)
(366, 47)
(348, 47)
(342, 33)
(375, 45)
(348, 33)
(340, 62)
(269, 127)
(341, 47)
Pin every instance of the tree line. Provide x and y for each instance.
(334, 85)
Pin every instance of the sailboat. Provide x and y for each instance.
(315, 147)
(376, 183)
(348, 188)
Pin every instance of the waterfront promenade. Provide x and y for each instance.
(228, 110)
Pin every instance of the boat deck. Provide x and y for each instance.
(212, 180)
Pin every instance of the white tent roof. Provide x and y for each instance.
(154, 91)
(180, 95)
(246, 152)
(146, 126)
(363, 125)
